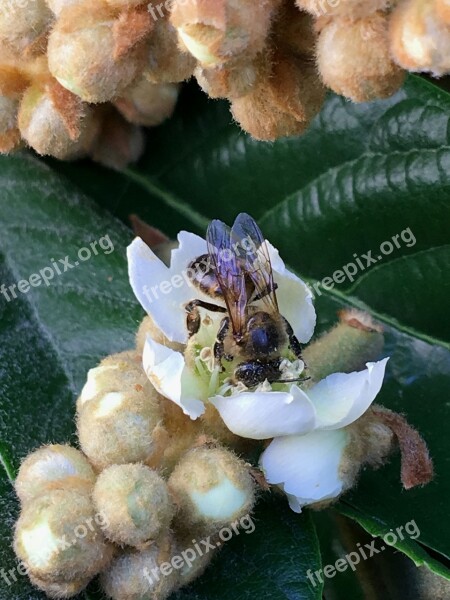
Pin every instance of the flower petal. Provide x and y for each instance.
(307, 466)
(341, 398)
(263, 415)
(294, 297)
(190, 247)
(167, 372)
(163, 291)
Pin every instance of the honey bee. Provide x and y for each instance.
(238, 271)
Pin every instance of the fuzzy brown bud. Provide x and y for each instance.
(119, 142)
(227, 82)
(23, 25)
(53, 467)
(287, 96)
(166, 63)
(96, 54)
(353, 59)
(218, 31)
(142, 575)
(135, 503)
(148, 104)
(122, 426)
(59, 537)
(60, 590)
(193, 568)
(420, 36)
(115, 373)
(353, 342)
(55, 122)
(212, 489)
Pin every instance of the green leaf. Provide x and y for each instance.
(51, 335)
(360, 567)
(361, 175)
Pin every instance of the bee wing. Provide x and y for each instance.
(254, 256)
(229, 273)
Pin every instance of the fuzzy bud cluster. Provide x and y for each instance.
(133, 503)
(150, 484)
(105, 69)
(58, 536)
(120, 62)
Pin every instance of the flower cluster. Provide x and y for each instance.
(317, 426)
(160, 428)
(80, 78)
(132, 500)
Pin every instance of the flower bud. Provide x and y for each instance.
(12, 85)
(197, 563)
(227, 82)
(57, 590)
(142, 575)
(96, 54)
(55, 122)
(353, 342)
(53, 467)
(115, 373)
(354, 60)
(212, 488)
(122, 427)
(58, 538)
(135, 502)
(166, 63)
(119, 142)
(370, 442)
(284, 100)
(351, 9)
(419, 37)
(148, 104)
(23, 25)
(218, 31)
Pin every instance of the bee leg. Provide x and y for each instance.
(294, 344)
(193, 319)
(219, 350)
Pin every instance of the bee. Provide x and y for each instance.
(237, 270)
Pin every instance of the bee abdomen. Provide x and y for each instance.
(253, 372)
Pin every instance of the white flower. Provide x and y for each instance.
(163, 291)
(307, 424)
